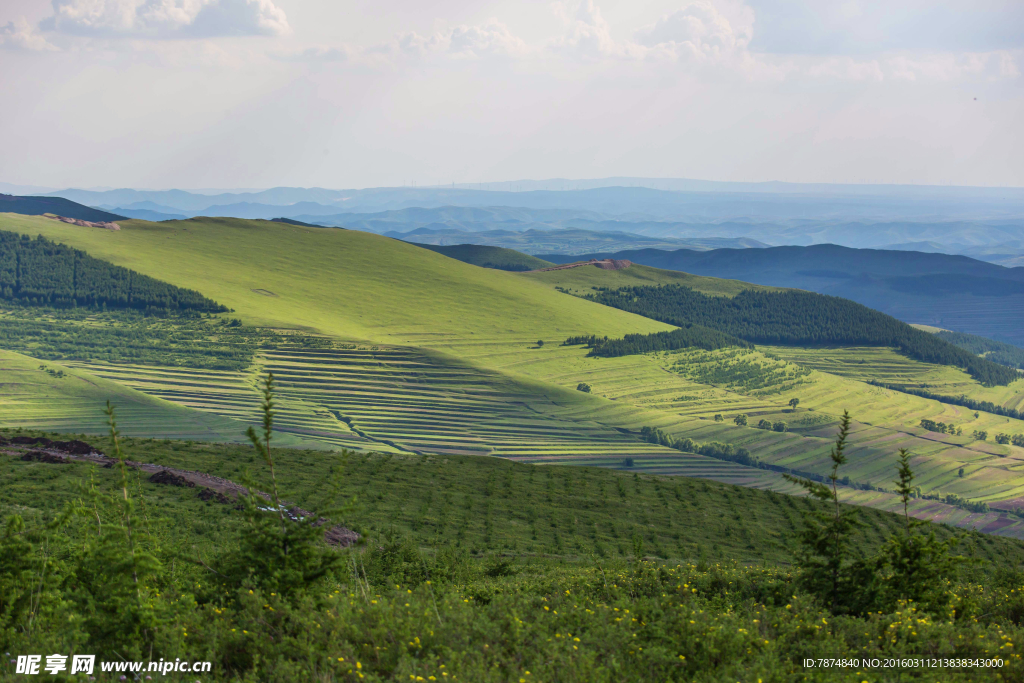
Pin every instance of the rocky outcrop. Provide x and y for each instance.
(85, 224)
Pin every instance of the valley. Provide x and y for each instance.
(415, 352)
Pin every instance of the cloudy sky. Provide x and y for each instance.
(360, 93)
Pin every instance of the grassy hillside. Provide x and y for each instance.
(485, 505)
(338, 282)
(796, 318)
(41, 272)
(54, 396)
(489, 257)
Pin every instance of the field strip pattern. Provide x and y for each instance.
(229, 394)
(387, 398)
(406, 397)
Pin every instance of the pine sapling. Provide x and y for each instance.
(828, 569)
(917, 564)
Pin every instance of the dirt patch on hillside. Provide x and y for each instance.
(43, 456)
(210, 487)
(85, 224)
(171, 479)
(603, 264)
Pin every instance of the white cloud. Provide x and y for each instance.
(950, 66)
(167, 18)
(719, 34)
(700, 31)
(589, 34)
(700, 36)
(19, 34)
(316, 53)
(491, 38)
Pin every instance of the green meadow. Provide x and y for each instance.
(416, 352)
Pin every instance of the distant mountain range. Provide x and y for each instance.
(952, 292)
(37, 206)
(568, 241)
(618, 198)
(986, 223)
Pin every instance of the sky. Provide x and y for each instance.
(354, 93)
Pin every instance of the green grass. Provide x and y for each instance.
(344, 283)
(583, 278)
(489, 257)
(33, 398)
(130, 337)
(398, 397)
(487, 505)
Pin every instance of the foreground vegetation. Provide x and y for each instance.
(102, 571)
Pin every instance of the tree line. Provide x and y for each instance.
(713, 449)
(960, 400)
(942, 427)
(796, 318)
(40, 272)
(995, 351)
(686, 336)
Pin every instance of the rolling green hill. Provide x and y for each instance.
(489, 257)
(584, 278)
(54, 396)
(416, 352)
(337, 282)
(46, 273)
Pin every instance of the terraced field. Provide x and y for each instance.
(653, 390)
(889, 367)
(393, 398)
(57, 397)
(400, 399)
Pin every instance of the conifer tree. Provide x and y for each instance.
(828, 568)
(917, 564)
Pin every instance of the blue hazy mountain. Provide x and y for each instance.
(949, 291)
